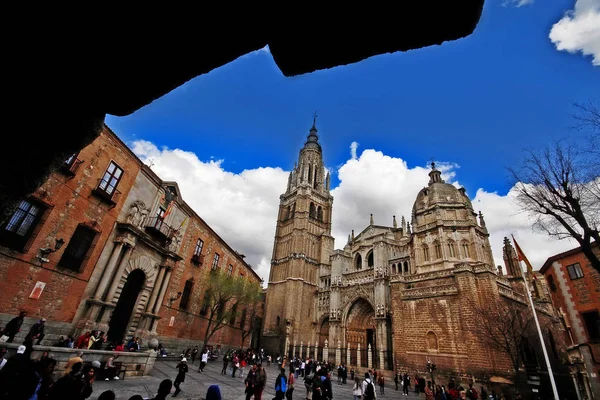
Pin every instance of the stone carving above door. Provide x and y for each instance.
(146, 264)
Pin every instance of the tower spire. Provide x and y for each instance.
(312, 140)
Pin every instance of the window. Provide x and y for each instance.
(551, 283)
(215, 263)
(205, 304)
(78, 248)
(71, 165)
(233, 314)
(199, 246)
(160, 214)
(187, 291)
(243, 319)
(229, 269)
(370, 261)
(438, 250)
(575, 271)
(358, 261)
(465, 250)
(20, 227)
(591, 321)
(451, 250)
(312, 210)
(110, 180)
(425, 253)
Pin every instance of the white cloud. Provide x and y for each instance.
(242, 207)
(353, 148)
(579, 30)
(516, 3)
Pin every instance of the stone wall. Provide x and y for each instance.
(135, 364)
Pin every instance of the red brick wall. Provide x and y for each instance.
(189, 324)
(70, 203)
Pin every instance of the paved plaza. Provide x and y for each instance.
(196, 384)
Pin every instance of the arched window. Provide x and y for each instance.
(394, 269)
(370, 260)
(406, 267)
(465, 250)
(425, 252)
(451, 249)
(438, 250)
(278, 321)
(319, 213)
(286, 213)
(310, 176)
(358, 261)
(312, 211)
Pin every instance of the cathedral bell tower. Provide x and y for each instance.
(301, 249)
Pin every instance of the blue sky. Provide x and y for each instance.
(475, 102)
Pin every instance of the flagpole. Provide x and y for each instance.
(539, 330)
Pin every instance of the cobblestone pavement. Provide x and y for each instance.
(196, 384)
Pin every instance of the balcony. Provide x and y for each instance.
(198, 259)
(107, 193)
(157, 227)
(70, 166)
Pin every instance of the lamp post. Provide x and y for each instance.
(430, 368)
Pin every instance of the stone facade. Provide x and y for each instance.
(141, 269)
(394, 296)
(574, 287)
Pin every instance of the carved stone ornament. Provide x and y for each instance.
(137, 213)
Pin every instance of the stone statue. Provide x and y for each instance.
(143, 215)
(339, 314)
(175, 241)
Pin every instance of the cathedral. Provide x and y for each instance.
(395, 297)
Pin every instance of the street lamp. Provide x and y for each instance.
(430, 368)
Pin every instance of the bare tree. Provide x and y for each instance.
(223, 294)
(559, 186)
(505, 326)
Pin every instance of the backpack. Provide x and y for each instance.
(370, 391)
(308, 379)
(282, 384)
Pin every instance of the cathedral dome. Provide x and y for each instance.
(438, 192)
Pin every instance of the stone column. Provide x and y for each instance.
(117, 277)
(347, 354)
(108, 271)
(369, 356)
(326, 352)
(301, 345)
(358, 356)
(294, 350)
(307, 350)
(163, 290)
(155, 289)
(316, 351)
(338, 353)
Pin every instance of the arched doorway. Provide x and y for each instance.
(360, 328)
(121, 316)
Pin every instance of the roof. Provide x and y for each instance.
(560, 256)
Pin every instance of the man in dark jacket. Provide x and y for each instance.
(36, 332)
(14, 326)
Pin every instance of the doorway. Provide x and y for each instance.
(127, 300)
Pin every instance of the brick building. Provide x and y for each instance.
(395, 295)
(135, 258)
(574, 286)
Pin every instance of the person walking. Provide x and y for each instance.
(249, 382)
(260, 380)
(357, 389)
(183, 369)
(290, 386)
(194, 354)
(381, 382)
(203, 360)
(13, 327)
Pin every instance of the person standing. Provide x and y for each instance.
(72, 361)
(281, 384)
(111, 368)
(194, 354)
(290, 386)
(183, 369)
(357, 389)
(381, 382)
(14, 326)
(36, 332)
(260, 380)
(203, 360)
(396, 380)
(250, 382)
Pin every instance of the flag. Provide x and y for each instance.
(168, 210)
(523, 258)
(182, 223)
